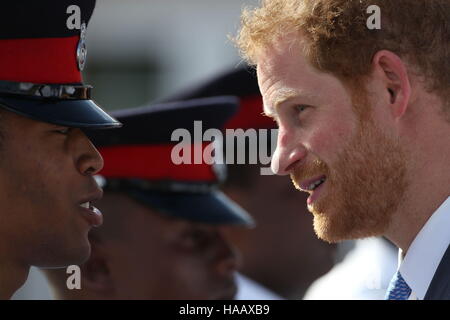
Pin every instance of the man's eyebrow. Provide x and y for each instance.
(283, 97)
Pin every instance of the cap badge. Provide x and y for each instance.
(81, 48)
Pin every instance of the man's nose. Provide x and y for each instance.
(287, 153)
(87, 158)
(228, 259)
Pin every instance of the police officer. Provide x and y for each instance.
(46, 161)
(164, 236)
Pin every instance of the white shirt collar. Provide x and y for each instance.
(426, 251)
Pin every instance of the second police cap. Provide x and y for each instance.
(241, 82)
(42, 53)
(139, 160)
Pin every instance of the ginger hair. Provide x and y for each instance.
(339, 42)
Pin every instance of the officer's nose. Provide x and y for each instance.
(88, 160)
(288, 152)
(228, 258)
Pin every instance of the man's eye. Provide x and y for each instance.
(64, 131)
(198, 236)
(195, 239)
(300, 107)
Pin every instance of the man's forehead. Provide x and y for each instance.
(275, 53)
(278, 85)
(276, 64)
(269, 64)
(282, 78)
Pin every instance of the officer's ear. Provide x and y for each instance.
(95, 272)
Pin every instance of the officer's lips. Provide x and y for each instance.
(92, 215)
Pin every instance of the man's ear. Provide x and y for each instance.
(391, 70)
(95, 272)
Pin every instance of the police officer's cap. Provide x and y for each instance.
(42, 53)
(238, 81)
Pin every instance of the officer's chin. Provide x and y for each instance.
(75, 256)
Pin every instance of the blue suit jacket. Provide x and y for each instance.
(439, 288)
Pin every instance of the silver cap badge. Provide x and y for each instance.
(81, 48)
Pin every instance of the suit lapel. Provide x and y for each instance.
(439, 288)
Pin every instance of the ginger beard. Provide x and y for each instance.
(363, 188)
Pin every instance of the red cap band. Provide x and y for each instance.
(152, 162)
(43, 60)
